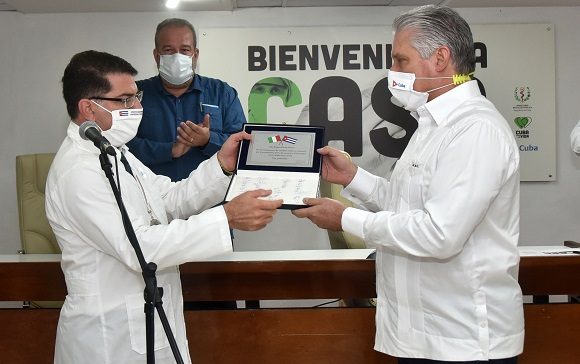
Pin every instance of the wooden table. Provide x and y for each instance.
(286, 335)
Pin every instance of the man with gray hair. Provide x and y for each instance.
(446, 224)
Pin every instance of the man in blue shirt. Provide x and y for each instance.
(186, 117)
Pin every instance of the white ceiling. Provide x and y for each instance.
(80, 6)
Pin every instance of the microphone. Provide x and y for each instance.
(89, 130)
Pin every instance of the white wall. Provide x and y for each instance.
(36, 48)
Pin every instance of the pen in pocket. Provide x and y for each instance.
(202, 106)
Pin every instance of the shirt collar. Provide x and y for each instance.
(73, 133)
(442, 106)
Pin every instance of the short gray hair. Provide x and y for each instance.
(177, 23)
(437, 26)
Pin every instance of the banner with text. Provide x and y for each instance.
(336, 77)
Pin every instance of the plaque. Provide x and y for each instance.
(281, 158)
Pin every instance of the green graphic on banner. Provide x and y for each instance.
(266, 88)
(522, 121)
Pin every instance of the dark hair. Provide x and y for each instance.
(436, 26)
(177, 23)
(86, 76)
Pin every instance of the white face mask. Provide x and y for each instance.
(176, 68)
(124, 125)
(401, 86)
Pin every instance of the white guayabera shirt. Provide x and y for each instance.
(446, 229)
(102, 319)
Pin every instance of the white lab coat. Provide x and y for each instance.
(102, 319)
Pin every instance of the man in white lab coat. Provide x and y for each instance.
(102, 319)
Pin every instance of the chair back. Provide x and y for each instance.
(36, 235)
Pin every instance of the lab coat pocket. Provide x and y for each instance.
(136, 317)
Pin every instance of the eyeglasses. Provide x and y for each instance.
(127, 101)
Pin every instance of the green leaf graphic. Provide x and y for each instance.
(522, 121)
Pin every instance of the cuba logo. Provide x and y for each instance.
(523, 122)
(522, 94)
(399, 85)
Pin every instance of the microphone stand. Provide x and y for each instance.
(153, 295)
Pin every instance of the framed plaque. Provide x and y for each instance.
(281, 158)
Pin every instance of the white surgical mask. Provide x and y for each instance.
(176, 68)
(401, 87)
(124, 125)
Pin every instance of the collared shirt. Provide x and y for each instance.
(163, 113)
(102, 319)
(446, 230)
